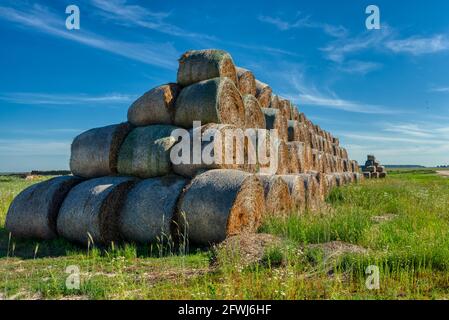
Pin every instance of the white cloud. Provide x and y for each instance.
(419, 45)
(130, 14)
(440, 89)
(64, 99)
(305, 22)
(359, 67)
(40, 19)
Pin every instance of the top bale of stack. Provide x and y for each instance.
(199, 65)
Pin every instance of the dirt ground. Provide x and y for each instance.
(444, 173)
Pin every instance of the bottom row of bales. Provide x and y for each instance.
(207, 209)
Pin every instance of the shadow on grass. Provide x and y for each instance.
(31, 249)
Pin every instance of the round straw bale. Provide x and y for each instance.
(247, 81)
(34, 211)
(275, 102)
(211, 101)
(312, 191)
(331, 181)
(223, 153)
(277, 194)
(145, 153)
(94, 153)
(285, 107)
(275, 120)
(220, 203)
(149, 209)
(296, 156)
(297, 188)
(263, 94)
(323, 184)
(91, 210)
(254, 117)
(199, 65)
(157, 106)
(294, 131)
(283, 158)
(295, 113)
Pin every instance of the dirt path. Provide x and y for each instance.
(443, 173)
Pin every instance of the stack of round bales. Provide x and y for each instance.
(188, 144)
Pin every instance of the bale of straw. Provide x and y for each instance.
(33, 213)
(275, 102)
(308, 158)
(297, 157)
(312, 188)
(254, 117)
(323, 185)
(222, 147)
(294, 130)
(211, 101)
(247, 81)
(157, 106)
(374, 175)
(220, 203)
(285, 107)
(297, 188)
(91, 210)
(344, 153)
(358, 177)
(295, 113)
(149, 209)
(371, 169)
(263, 94)
(199, 65)
(331, 181)
(145, 153)
(283, 158)
(275, 120)
(277, 194)
(380, 169)
(94, 153)
(382, 175)
(367, 174)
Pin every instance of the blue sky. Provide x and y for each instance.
(381, 91)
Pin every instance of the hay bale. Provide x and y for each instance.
(277, 194)
(367, 174)
(246, 81)
(156, 106)
(211, 101)
(323, 185)
(371, 169)
(275, 120)
(33, 213)
(283, 158)
(285, 107)
(263, 94)
(91, 210)
(149, 209)
(275, 102)
(312, 191)
(297, 156)
(331, 181)
(297, 188)
(382, 175)
(374, 175)
(220, 203)
(94, 153)
(294, 130)
(199, 65)
(294, 113)
(145, 153)
(254, 117)
(218, 149)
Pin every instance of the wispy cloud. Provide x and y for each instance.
(134, 15)
(304, 93)
(440, 89)
(64, 99)
(34, 147)
(38, 18)
(359, 67)
(304, 22)
(419, 45)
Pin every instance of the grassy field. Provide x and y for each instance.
(401, 222)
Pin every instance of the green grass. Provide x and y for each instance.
(411, 252)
